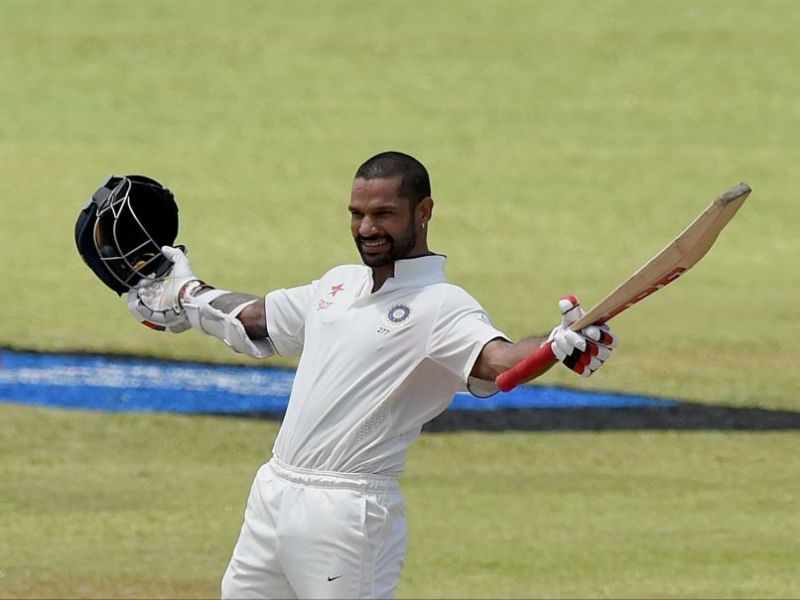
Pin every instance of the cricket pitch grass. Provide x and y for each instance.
(568, 141)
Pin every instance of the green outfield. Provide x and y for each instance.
(149, 506)
(567, 141)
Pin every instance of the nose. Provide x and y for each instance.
(366, 227)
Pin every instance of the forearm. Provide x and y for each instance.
(500, 355)
(181, 301)
(238, 319)
(519, 351)
(582, 351)
(253, 316)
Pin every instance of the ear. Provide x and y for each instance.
(424, 210)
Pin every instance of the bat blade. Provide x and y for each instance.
(686, 250)
(665, 267)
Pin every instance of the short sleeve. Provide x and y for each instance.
(460, 330)
(286, 317)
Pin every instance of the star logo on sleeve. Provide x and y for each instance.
(324, 302)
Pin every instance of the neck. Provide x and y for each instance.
(380, 275)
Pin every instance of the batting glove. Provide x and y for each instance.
(156, 303)
(586, 351)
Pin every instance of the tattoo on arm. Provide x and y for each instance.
(227, 302)
(253, 317)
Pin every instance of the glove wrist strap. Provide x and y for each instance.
(188, 289)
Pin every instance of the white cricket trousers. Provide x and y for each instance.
(315, 534)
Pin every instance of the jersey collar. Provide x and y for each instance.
(423, 270)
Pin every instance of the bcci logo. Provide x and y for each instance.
(397, 314)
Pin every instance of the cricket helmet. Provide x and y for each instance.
(120, 231)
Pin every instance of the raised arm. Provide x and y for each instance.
(181, 301)
(500, 355)
(253, 316)
(583, 352)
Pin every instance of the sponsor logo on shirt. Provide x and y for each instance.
(397, 315)
(324, 302)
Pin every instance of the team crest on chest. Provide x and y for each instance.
(397, 315)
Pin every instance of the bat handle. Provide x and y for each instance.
(528, 368)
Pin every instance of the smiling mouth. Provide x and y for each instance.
(374, 245)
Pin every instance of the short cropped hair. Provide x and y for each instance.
(415, 183)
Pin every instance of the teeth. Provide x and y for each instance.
(373, 242)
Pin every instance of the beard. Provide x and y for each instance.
(399, 247)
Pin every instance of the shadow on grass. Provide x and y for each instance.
(681, 417)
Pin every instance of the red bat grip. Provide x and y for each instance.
(528, 368)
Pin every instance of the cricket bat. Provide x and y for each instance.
(665, 267)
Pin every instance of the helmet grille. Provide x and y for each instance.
(131, 224)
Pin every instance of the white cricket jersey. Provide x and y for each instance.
(374, 367)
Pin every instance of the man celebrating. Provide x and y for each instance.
(383, 348)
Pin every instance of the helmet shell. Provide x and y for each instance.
(120, 231)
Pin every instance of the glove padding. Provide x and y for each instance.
(156, 302)
(586, 351)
